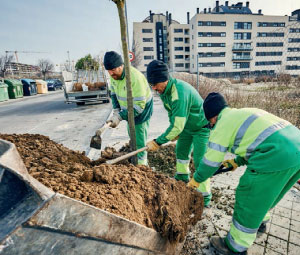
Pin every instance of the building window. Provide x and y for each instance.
(178, 56)
(146, 30)
(242, 36)
(187, 65)
(269, 53)
(240, 65)
(294, 67)
(212, 23)
(179, 64)
(242, 25)
(148, 49)
(211, 34)
(211, 45)
(178, 48)
(212, 64)
(259, 34)
(242, 46)
(293, 49)
(269, 44)
(186, 31)
(147, 39)
(294, 30)
(148, 57)
(268, 63)
(186, 40)
(270, 24)
(211, 54)
(293, 58)
(187, 49)
(178, 39)
(294, 40)
(178, 30)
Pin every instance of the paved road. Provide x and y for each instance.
(49, 115)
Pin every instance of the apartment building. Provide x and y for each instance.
(226, 41)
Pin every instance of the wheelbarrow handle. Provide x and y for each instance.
(126, 156)
(222, 169)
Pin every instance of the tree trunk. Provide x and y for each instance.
(120, 5)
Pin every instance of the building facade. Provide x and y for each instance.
(226, 41)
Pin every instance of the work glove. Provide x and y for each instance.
(193, 184)
(115, 119)
(230, 163)
(175, 139)
(182, 177)
(153, 146)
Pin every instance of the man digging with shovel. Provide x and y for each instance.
(142, 100)
(187, 122)
(269, 146)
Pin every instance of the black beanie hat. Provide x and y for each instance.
(213, 104)
(112, 60)
(157, 71)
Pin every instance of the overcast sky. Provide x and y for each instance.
(92, 26)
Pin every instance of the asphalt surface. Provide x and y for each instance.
(48, 114)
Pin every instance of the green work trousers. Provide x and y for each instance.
(141, 133)
(256, 194)
(188, 141)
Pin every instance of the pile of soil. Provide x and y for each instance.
(135, 193)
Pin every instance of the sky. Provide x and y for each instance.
(92, 26)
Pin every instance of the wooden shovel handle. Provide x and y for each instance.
(126, 156)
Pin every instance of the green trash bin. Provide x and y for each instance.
(15, 88)
(3, 92)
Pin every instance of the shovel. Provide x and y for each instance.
(96, 140)
(126, 156)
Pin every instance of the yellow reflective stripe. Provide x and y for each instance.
(177, 128)
(214, 156)
(265, 134)
(174, 93)
(267, 218)
(182, 166)
(204, 187)
(240, 240)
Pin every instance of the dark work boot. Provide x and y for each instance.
(221, 247)
(262, 228)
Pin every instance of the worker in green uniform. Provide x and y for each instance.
(269, 146)
(142, 100)
(187, 122)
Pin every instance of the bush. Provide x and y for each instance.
(284, 78)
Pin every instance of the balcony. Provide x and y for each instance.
(241, 58)
(242, 48)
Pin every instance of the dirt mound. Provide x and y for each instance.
(135, 193)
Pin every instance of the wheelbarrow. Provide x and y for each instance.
(36, 220)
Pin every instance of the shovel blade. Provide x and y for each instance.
(96, 142)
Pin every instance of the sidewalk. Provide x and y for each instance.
(283, 231)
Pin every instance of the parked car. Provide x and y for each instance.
(54, 84)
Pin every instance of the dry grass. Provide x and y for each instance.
(284, 104)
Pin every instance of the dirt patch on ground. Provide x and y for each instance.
(136, 193)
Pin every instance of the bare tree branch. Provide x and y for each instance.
(5, 60)
(45, 66)
(137, 53)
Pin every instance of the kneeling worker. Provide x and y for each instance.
(269, 146)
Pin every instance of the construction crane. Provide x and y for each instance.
(16, 53)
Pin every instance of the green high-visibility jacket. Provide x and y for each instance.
(141, 93)
(261, 140)
(184, 106)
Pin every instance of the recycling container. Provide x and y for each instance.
(3, 92)
(42, 87)
(29, 87)
(15, 88)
